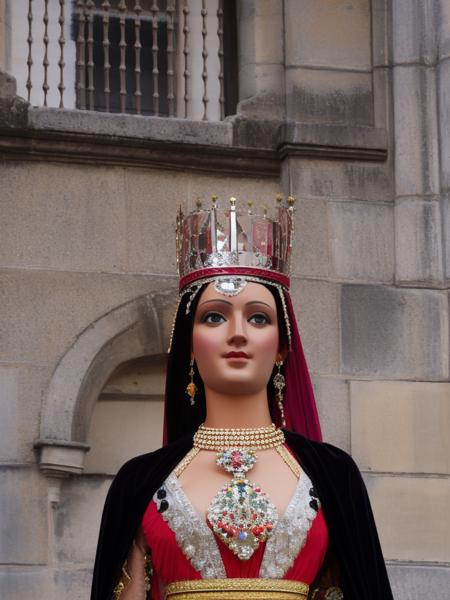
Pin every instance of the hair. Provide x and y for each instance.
(182, 418)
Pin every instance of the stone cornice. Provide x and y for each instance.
(236, 146)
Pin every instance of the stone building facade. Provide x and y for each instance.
(345, 105)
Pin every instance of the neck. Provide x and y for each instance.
(233, 412)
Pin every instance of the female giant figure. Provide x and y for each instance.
(244, 500)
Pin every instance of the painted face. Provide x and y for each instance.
(235, 339)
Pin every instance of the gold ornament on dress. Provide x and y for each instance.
(236, 589)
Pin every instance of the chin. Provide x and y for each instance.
(238, 386)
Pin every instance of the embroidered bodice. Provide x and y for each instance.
(183, 546)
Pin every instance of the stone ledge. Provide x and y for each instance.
(131, 126)
(24, 144)
(334, 141)
(254, 147)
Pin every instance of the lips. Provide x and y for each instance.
(236, 355)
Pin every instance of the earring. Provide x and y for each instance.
(191, 388)
(279, 382)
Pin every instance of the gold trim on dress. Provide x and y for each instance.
(237, 589)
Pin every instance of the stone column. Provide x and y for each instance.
(2, 34)
(419, 259)
(443, 81)
(261, 58)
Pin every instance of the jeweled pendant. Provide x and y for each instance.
(241, 514)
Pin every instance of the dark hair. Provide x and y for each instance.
(181, 417)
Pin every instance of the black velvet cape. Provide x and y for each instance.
(353, 539)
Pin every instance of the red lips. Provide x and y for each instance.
(236, 355)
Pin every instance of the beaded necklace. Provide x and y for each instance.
(240, 514)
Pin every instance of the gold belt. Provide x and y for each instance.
(237, 589)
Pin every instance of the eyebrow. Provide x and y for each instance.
(230, 303)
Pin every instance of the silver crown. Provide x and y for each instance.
(215, 239)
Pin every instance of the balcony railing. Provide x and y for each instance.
(150, 57)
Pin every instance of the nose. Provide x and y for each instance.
(237, 335)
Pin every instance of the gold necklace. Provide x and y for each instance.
(241, 514)
(259, 438)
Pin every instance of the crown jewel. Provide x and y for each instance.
(234, 240)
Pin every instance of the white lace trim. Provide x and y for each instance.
(289, 534)
(194, 537)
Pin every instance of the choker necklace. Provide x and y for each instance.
(259, 438)
(240, 514)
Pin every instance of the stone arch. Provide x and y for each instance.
(137, 328)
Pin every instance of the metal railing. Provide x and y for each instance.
(161, 58)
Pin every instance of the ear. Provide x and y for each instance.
(283, 351)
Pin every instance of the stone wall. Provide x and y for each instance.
(345, 106)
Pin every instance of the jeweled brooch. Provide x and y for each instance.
(241, 514)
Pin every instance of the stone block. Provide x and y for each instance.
(72, 584)
(443, 82)
(315, 303)
(311, 250)
(265, 81)
(63, 217)
(3, 30)
(334, 410)
(418, 581)
(21, 389)
(22, 582)
(380, 33)
(445, 216)
(418, 241)
(329, 96)
(341, 180)
(331, 34)
(414, 34)
(394, 333)
(8, 86)
(362, 240)
(153, 198)
(121, 429)
(382, 99)
(260, 33)
(262, 191)
(77, 519)
(132, 126)
(411, 514)
(338, 136)
(42, 312)
(443, 28)
(401, 426)
(23, 523)
(416, 135)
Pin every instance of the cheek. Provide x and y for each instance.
(267, 342)
(205, 341)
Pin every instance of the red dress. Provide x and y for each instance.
(184, 547)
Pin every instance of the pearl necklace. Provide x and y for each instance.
(260, 438)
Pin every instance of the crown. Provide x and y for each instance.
(234, 241)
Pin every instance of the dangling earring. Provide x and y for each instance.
(279, 382)
(191, 388)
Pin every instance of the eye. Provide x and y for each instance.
(259, 319)
(213, 318)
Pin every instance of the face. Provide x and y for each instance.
(235, 339)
